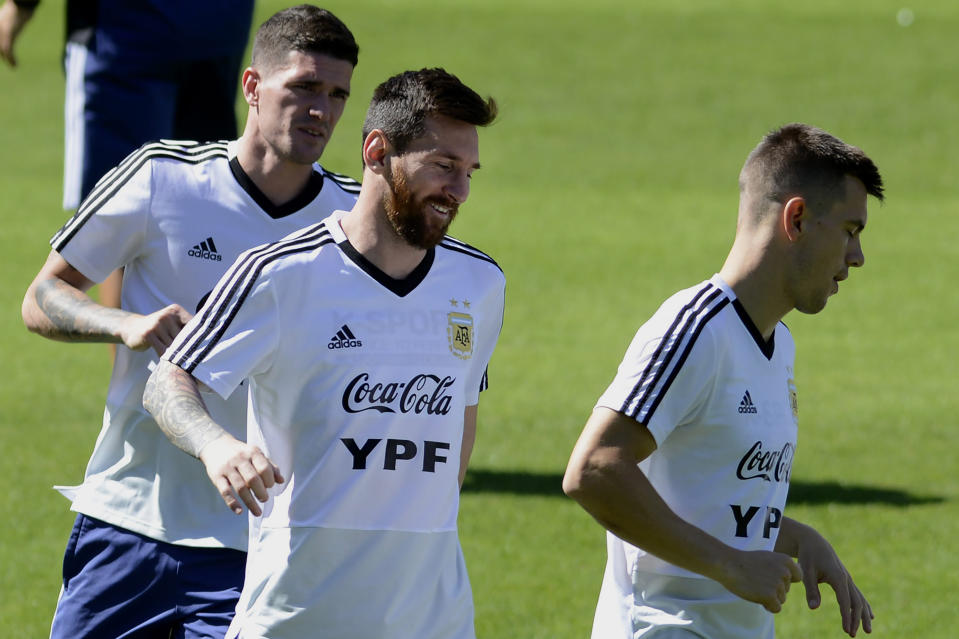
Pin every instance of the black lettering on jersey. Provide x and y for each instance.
(768, 465)
(393, 447)
(774, 517)
(742, 521)
(359, 454)
(423, 393)
(397, 450)
(430, 458)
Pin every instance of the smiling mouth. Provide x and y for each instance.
(314, 132)
(445, 211)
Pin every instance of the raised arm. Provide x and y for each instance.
(56, 306)
(603, 476)
(821, 564)
(236, 468)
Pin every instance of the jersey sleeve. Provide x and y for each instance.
(487, 335)
(663, 379)
(235, 334)
(110, 228)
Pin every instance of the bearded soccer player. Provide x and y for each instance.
(153, 552)
(365, 340)
(686, 458)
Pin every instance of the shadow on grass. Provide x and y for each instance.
(833, 492)
(537, 484)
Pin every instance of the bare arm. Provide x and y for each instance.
(56, 306)
(109, 295)
(469, 438)
(604, 478)
(12, 21)
(173, 397)
(821, 564)
(235, 468)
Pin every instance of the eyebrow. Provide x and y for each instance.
(315, 82)
(456, 158)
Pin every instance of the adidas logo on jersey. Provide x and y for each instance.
(205, 250)
(747, 406)
(344, 338)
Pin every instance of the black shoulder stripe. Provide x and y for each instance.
(110, 183)
(672, 352)
(234, 278)
(345, 182)
(673, 371)
(228, 296)
(453, 244)
(183, 149)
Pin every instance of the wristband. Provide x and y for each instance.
(26, 4)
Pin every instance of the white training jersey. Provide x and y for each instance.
(358, 386)
(721, 404)
(175, 215)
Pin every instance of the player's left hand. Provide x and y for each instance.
(821, 564)
(240, 471)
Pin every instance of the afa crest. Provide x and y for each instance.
(460, 332)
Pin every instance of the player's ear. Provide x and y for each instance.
(794, 217)
(251, 83)
(375, 149)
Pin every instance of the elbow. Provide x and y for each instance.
(590, 486)
(578, 482)
(150, 393)
(572, 482)
(29, 312)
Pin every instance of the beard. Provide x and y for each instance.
(411, 218)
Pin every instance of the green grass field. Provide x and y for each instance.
(608, 182)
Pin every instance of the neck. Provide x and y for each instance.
(279, 180)
(755, 274)
(371, 234)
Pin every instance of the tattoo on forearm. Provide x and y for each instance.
(171, 395)
(74, 316)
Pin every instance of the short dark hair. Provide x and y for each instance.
(401, 104)
(305, 28)
(799, 159)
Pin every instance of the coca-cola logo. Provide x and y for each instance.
(769, 465)
(424, 393)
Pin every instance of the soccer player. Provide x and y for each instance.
(153, 551)
(365, 340)
(686, 458)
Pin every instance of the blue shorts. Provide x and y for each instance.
(111, 109)
(119, 584)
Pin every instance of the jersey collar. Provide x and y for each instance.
(304, 197)
(766, 347)
(401, 287)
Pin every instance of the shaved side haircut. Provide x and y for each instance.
(802, 160)
(304, 28)
(401, 105)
